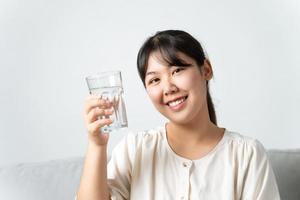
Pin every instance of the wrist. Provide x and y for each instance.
(96, 147)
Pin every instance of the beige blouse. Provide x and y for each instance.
(143, 166)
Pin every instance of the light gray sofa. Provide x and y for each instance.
(59, 179)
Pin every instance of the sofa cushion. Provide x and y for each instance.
(59, 179)
(49, 180)
(286, 166)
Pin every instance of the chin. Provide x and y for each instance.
(178, 118)
(182, 121)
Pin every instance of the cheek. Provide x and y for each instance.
(189, 82)
(195, 84)
(154, 94)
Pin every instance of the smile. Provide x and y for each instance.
(177, 102)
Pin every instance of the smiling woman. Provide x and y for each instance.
(173, 48)
(189, 157)
(178, 92)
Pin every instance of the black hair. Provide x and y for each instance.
(169, 43)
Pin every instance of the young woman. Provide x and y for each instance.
(189, 157)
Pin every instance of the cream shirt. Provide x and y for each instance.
(143, 166)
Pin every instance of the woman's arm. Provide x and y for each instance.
(93, 184)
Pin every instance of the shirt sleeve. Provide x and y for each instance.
(260, 182)
(119, 168)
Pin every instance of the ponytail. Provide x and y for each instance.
(211, 108)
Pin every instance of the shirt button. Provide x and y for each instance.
(184, 165)
(182, 198)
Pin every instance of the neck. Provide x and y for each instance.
(193, 142)
(199, 130)
(192, 132)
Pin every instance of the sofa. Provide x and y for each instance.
(59, 179)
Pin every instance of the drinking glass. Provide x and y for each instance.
(108, 85)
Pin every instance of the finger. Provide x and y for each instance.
(94, 128)
(95, 113)
(94, 101)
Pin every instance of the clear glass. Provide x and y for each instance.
(109, 85)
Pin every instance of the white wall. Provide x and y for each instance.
(48, 47)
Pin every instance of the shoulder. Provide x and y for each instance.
(245, 145)
(145, 137)
(242, 140)
(253, 167)
(135, 139)
(134, 143)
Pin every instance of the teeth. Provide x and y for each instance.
(175, 103)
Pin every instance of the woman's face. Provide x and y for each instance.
(178, 93)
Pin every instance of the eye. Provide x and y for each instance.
(153, 80)
(177, 70)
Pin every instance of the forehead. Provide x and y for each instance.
(156, 62)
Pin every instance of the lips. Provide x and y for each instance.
(177, 101)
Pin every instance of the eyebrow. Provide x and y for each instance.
(154, 72)
(150, 73)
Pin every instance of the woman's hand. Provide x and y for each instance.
(96, 115)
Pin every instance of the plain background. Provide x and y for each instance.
(48, 47)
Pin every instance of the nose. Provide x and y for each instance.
(170, 88)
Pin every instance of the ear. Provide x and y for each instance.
(206, 69)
